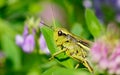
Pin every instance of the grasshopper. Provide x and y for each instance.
(72, 46)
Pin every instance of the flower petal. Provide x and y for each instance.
(43, 45)
(19, 40)
(29, 43)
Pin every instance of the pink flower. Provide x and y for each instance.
(105, 54)
(99, 50)
(103, 64)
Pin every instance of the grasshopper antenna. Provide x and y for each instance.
(45, 24)
(53, 19)
(54, 24)
(42, 22)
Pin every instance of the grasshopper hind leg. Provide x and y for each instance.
(86, 64)
(83, 61)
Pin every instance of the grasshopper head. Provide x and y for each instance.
(60, 35)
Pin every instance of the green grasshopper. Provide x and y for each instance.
(72, 46)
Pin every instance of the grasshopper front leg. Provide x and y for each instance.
(55, 54)
(77, 66)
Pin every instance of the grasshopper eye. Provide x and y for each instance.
(59, 32)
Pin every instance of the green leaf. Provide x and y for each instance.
(6, 28)
(78, 30)
(93, 24)
(63, 71)
(11, 51)
(48, 35)
(58, 71)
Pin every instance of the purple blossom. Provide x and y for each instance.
(19, 40)
(87, 3)
(2, 55)
(43, 45)
(26, 42)
(100, 5)
(118, 3)
(2, 59)
(97, 4)
(29, 43)
(118, 17)
(26, 32)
